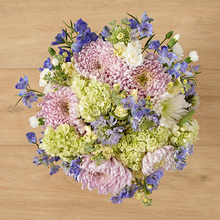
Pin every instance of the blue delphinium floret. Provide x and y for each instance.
(29, 98)
(154, 45)
(165, 56)
(54, 169)
(59, 39)
(80, 26)
(47, 64)
(106, 32)
(73, 168)
(145, 18)
(107, 131)
(23, 83)
(180, 154)
(133, 23)
(127, 192)
(145, 29)
(154, 179)
(191, 91)
(31, 137)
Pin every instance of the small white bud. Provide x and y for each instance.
(194, 56)
(34, 123)
(55, 62)
(177, 37)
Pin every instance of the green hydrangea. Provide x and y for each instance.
(95, 98)
(63, 142)
(134, 145)
(188, 132)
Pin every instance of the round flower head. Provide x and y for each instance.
(161, 159)
(148, 78)
(111, 175)
(97, 60)
(59, 108)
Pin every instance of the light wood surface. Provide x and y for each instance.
(28, 192)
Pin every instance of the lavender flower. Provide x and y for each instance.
(54, 169)
(145, 29)
(80, 26)
(59, 39)
(133, 23)
(29, 98)
(106, 132)
(23, 83)
(47, 64)
(154, 45)
(31, 137)
(154, 179)
(127, 192)
(106, 32)
(165, 56)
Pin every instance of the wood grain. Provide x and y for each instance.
(28, 192)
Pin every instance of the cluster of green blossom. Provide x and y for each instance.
(63, 142)
(94, 98)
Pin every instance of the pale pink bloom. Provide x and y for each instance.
(60, 107)
(161, 159)
(148, 78)
(97, 60)
(111, 175)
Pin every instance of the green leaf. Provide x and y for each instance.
(41, 121)
(188, 60)
(51, 51)
(185, 118)
(169, 34)
(58, 67)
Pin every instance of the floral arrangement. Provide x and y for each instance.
(116, 107)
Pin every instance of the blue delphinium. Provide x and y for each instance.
(73, 168)
(59, 39)
(107, 131)
(145, 28)
(47, 64)
(166, 57)
(154, 179)
(68, 58)
(46, 160)
(180, 156)
(29, 98)
(80, 26)
(23, 83)
(31, 137)
(84, 37)
(106, 32)
(154, 45)
(127, 192)
(133, 23)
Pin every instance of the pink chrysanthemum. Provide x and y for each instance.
(111, 175)
(161, 159)
(60, 107)
(148, 78)
(97, 60)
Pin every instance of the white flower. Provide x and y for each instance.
(55, 62)
(42, 82)
(171, 108)
(133, 54)
(194, 56)
(48, 88)
(177, 49)
(34, 123)
(177, 37)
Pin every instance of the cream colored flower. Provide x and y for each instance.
(120, 111)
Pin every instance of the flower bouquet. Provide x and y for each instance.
(116, 107)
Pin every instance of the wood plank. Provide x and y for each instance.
(28, 29)
(29, 192)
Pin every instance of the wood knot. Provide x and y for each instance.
(203, 178)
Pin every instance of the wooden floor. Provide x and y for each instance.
(28, 192)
